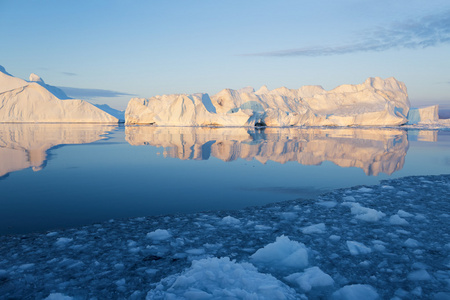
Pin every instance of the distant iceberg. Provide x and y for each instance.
(35, 101)
(376, 102)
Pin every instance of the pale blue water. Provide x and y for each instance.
(58, 176)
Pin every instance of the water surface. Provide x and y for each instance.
(55, 176)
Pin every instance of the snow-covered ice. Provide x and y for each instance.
(257, 252)
(376, 102)
(34, 101)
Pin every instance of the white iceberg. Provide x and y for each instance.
(36, 102)
(376, 102)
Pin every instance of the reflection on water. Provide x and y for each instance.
(26, 145)
(214, 169)
(373, 150)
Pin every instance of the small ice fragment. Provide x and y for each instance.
(262, 227)
(417, 291)
(282, 253)
(58, 296)
(364, 213)
(159, 235)
(328, 204)
(316, 228)
(396, 220)
(356, 292)
(419, 275)
(379, 248)
(310, 278)
(412, 243)
(365, 190)
(120, 282)
(388, 187)
(62, 241)
(289, 215)
(53, 233)
(198, 251)
(229, 220)
(334, 238)
(404, 214)
(349, 198)
(357, 248)
(26, 266)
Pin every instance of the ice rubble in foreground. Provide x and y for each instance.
(351, 249)
(376, 102)
(34, 101)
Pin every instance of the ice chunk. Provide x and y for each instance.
(58, 296)
(412, 243)
(328, 204)
(397, 220)
(159, 235)
(349, 198)
(221, 278)
(356, 292)
(419, 275)
(334, 238)
(316, 228)
(365, 190)
(310, 278)
(404, 214)
(283, 253)
(60, 242)
(364, 213)
(229, 220)
(357, 248)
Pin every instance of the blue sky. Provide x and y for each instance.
(110, 51)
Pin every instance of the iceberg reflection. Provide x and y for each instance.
(372, 150)
(26, 145)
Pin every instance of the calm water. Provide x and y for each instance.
(54, 176)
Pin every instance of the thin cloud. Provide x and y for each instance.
(426, 32)
(91, 93)
(69, 73)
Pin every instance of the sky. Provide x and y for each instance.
(110, 51)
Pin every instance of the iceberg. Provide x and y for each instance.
(35, 101)
(376, 102)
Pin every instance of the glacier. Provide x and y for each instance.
(34, 101)
(376, 102)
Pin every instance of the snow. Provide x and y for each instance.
(376, 102)
(264, 256)
(37, 102)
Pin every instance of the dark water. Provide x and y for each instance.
(54, 176)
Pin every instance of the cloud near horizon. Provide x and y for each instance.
(69, 73)
(91, 93)
(428, 31)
